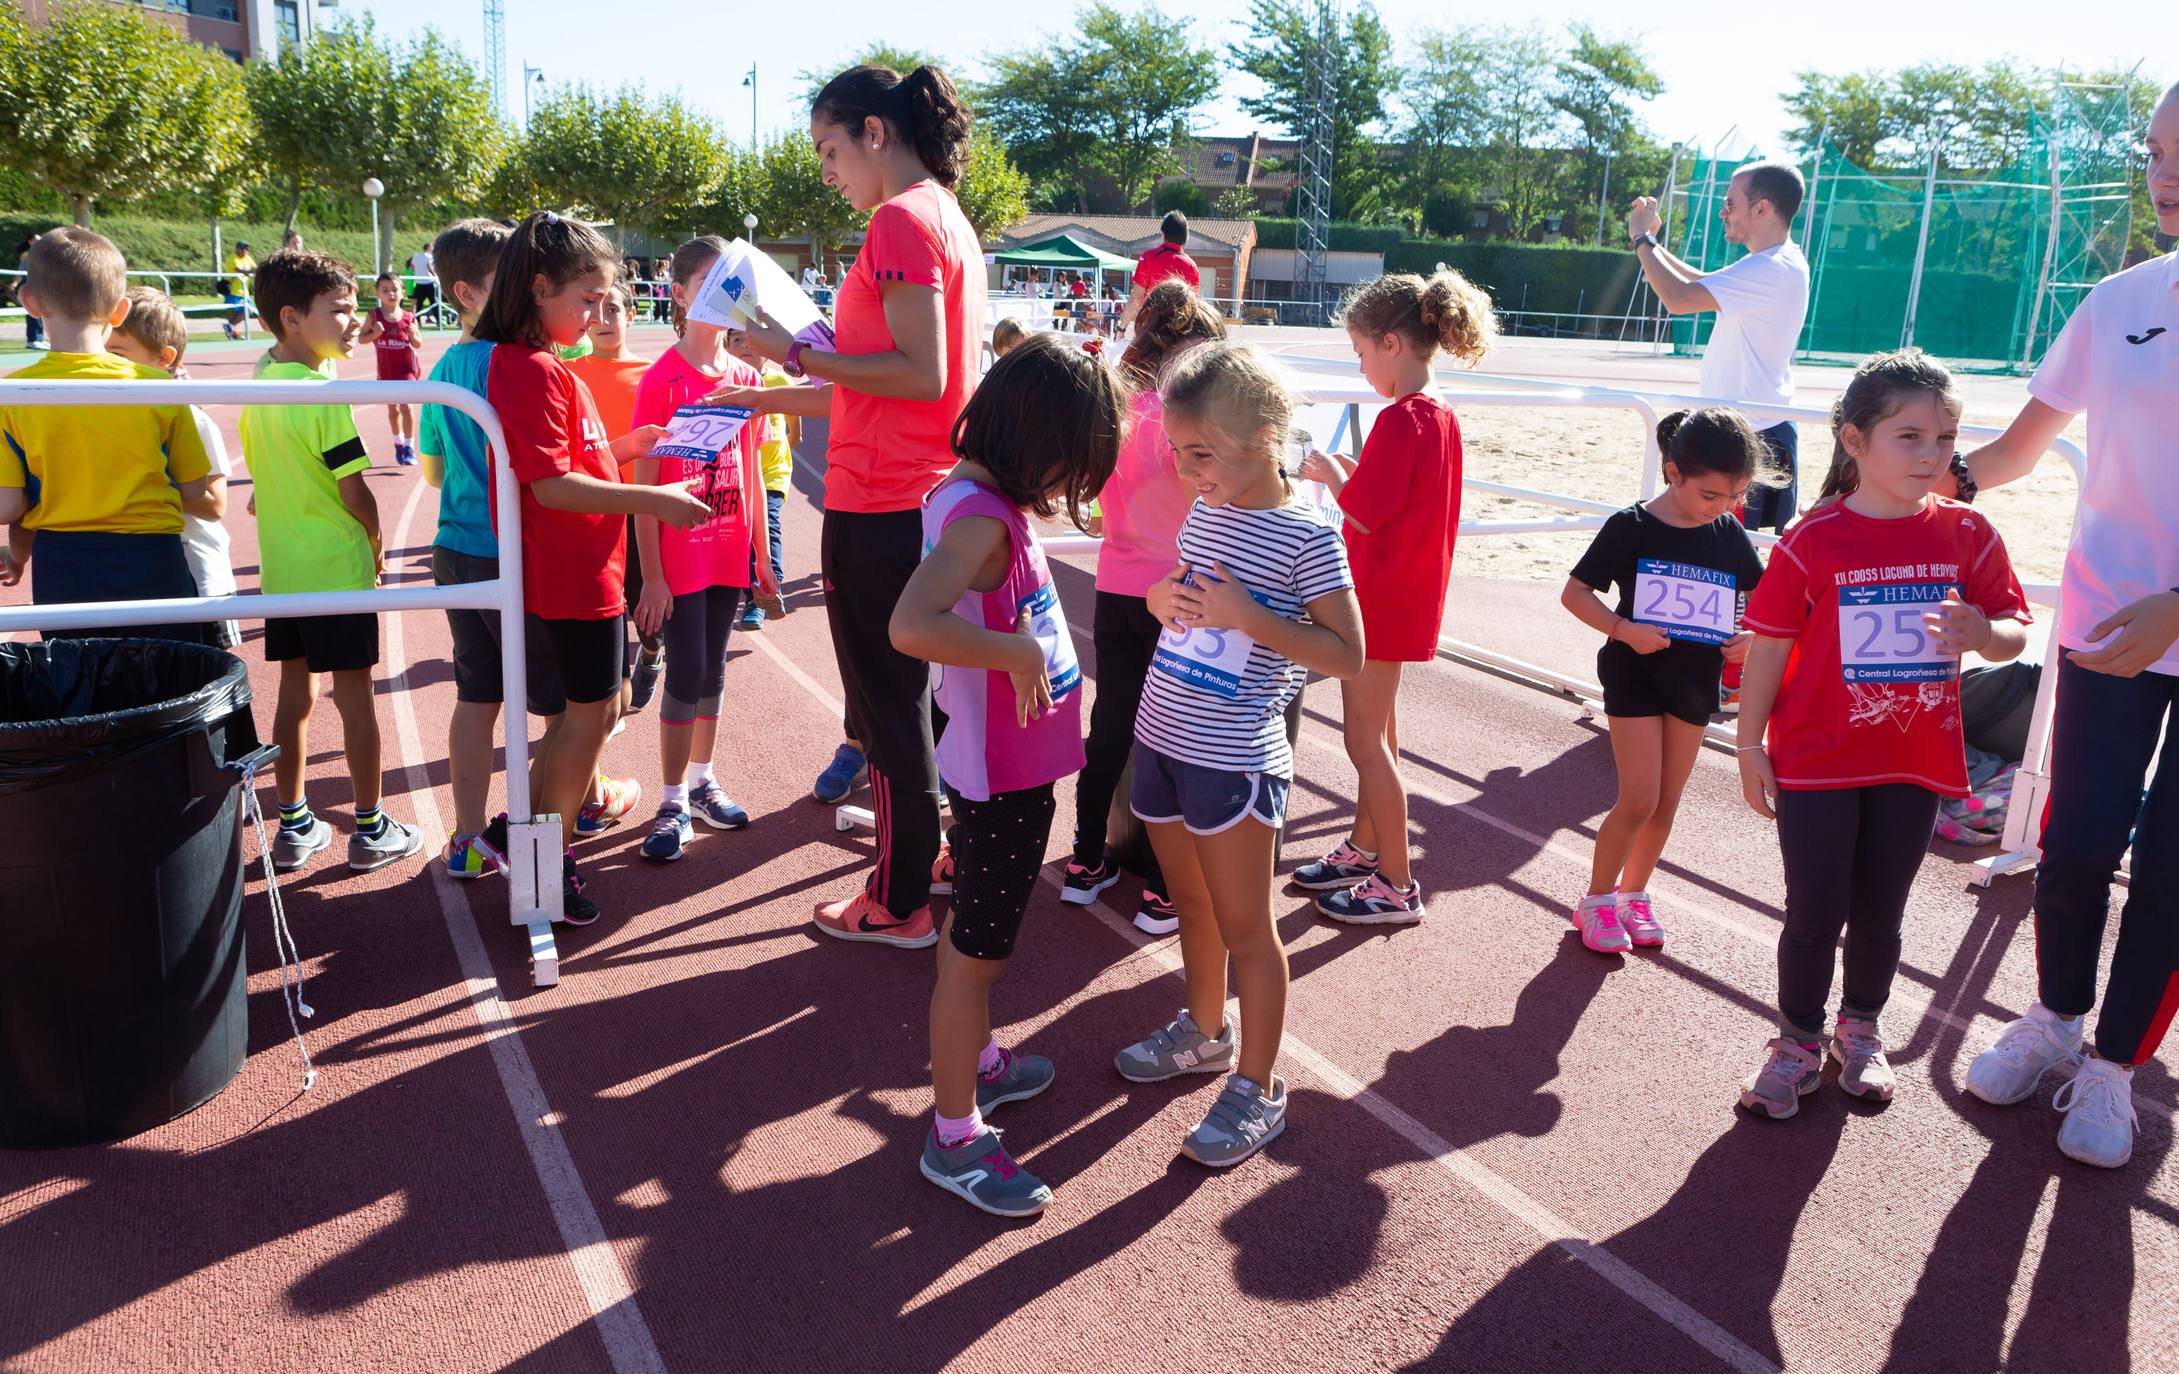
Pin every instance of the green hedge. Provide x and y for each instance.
(1528, 276)
(157, 245)
(1345, 238)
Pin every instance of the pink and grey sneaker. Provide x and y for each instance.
(1342, 868)
(1374, 902)
(1597, 918)
(1640, 921)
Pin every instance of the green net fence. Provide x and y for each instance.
(1980, 268)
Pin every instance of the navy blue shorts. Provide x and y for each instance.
(71, 566)
(1209, 801)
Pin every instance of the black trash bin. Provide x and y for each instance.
(122, 987)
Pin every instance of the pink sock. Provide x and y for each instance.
(956, 1131)
(993, 1061)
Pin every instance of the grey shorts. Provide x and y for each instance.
(1209, 801)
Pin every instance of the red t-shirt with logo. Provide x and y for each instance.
(573, 563)
(886, 454)
(1867, 698)
(1406, 491)
(1165, 261)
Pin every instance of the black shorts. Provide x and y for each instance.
(573, 661)
(1679, 680)
(476, 633)
(325, 643)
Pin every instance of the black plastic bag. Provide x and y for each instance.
(72, 706)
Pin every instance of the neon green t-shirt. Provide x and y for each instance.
(307, 540)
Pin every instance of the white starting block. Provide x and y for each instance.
(534, 895)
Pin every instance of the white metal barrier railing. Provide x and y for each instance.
(533, 843)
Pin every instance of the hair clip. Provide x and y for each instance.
(1094, 346)
(551, 217)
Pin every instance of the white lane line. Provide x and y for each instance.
(605, 1284)
(1547, 1225)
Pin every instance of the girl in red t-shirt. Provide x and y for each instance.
(1860, 621)
(392, 333)
(1402, 503)
(552, 279)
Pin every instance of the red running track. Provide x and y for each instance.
(697, 1152)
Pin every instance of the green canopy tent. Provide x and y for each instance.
(1063, 253)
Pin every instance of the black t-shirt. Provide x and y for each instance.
(1689, 582)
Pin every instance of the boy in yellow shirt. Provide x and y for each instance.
(97, 491)
(775, 458)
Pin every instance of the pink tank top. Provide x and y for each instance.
(1144, 506)
(985, 750)
(715, 553)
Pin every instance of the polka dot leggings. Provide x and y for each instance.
(998, 849)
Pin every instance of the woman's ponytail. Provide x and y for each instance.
(923, 108)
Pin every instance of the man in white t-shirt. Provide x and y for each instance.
(427, 284)
(1760, 301)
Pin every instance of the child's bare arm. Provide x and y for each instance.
(16, 555)
(575, 491)
(211, 502)
(356, 495)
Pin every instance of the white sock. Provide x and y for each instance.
(677, 794)
(700, 773)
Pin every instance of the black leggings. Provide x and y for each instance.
(998, 850)
(1126, 635)
(696, 653)
(1851, 855)
(867, 559)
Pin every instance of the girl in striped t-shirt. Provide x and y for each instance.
(1261, 597)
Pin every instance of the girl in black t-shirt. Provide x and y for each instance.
(1684, 567)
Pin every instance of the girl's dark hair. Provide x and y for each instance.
(547, 245)
(1448, 311)
(1716, 440)
(386, 277)
(1172, 317)
(691, 261)
(1880, 386)
(1046, 423)
(922, 107)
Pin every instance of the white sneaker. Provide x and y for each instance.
(2008, 1071)
(2098, 1103)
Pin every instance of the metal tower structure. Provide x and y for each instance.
(2088, 145)
(1312, 220)
(495, 53)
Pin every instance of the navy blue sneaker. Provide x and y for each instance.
(670, 831)
(847, 771)
(719, 811)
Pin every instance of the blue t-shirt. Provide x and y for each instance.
(465, 494)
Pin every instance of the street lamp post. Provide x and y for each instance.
(373, 188)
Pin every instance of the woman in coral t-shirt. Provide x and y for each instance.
(909, 343)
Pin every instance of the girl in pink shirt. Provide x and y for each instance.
(1144, 504)
(693, 579)
(1043, 429)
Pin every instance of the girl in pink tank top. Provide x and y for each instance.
(1041, 431)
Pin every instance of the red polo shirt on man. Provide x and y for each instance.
(1163, 262)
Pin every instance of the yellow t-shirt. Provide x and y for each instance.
(775, 458)
(307, 541)
(107, 468)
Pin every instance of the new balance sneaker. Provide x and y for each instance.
(1343, 867)
(472, 856)
(751, 618)
(392, 843)
(643, 678)
(942, 872)
(1022, 1077)
(1243, 1120)
(1597, 918)
(671, 830)
(863, 917)
(576, 909)
(1640, 920)
(1864, 1072)
(1176, 1048)
(1156, 916)
(616, 798)
(716, 809)
(772, 604)
(291, 849)
(405, 455)
(1374, 902)
(1792, 1072)
(2025, 1050)
(847, 771)
(981, 1173)
(2098, 1102)
(1082, 885)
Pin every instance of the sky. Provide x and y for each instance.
(1724, 66)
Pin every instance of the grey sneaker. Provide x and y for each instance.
(1177, 1048)
(393, 842)
(1243, 1120)
(982, 1174)
(1792, 1073)
(1024, 1076)
(1864, 1072)
(291, 849)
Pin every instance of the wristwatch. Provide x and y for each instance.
(1965, 478)
(793, 362)
(1642, 238)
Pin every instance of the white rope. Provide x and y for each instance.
(283, 939)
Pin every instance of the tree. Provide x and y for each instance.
(1043, 118)
(650, 162)
(1597, 81)
(797, 201)
(438, 136)
(1236, 202)
(994, 193)
(320, 109)
(1277, 51)
(1447, 102)
(1182, 195)
(104, 103)
(1524, 124)
(902, 60)
(1851, 111)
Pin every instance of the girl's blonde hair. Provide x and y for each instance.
(690, 261)
(1448, 311)
(1237, 392)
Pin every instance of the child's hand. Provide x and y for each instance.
(1957, 627)
(1645, 639)
(678, 504)
(637, 442)
(11, 572)
(251, 504)
(2145, 632)
(1736, 648)
(1219, 600)
(1032, 686)
(1321, 467)
(767, 585)
(654, 608)
(1759, 782)
(1162, 598)
(749, 398)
